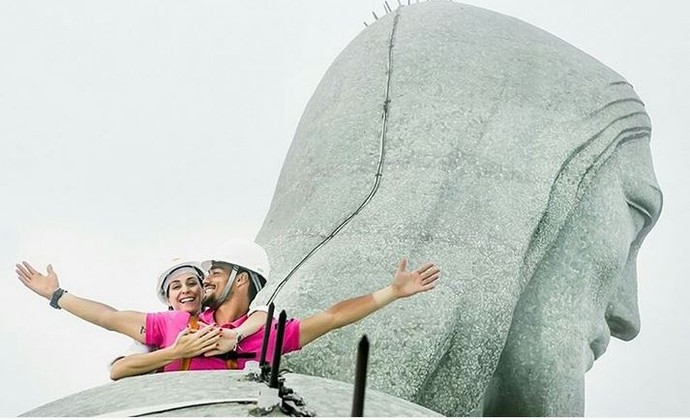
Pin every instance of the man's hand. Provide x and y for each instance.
(41, 284)
(192, 344)
(408, 283)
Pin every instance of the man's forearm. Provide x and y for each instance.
(254, 323)
(344, 313)
(405, 283)
(139, 364)
(352, 310)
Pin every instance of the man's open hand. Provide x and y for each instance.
(408, 283)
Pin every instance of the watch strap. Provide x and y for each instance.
(56, 297)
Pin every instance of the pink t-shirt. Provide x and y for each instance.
(162, 329)
(252, 343)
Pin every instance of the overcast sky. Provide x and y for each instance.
(131, 132)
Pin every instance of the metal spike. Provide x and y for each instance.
(365, 24)
(360, 377)
(375, 17)
(275, 369)
(387, 6)
(399, 4)
(264, 345)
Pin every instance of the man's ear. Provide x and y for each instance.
(242, 278)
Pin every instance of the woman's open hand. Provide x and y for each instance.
(43, 285)
(194, 343)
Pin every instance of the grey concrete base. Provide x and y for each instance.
(216, 393)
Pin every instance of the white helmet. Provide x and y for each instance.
(246, 254)
(241, 254)
(162, 287)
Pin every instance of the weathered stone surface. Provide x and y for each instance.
(201, 393)
(513, 160)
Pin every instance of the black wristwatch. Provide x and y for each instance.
(56, 297)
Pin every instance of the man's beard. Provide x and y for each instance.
(212, 301)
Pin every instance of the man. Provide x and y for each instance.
(233, 289)
(163, 329)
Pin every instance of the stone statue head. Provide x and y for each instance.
(516, 162)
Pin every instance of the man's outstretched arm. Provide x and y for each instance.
(404, 284)
(129, 323)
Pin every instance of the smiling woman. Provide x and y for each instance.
(170, 288)
(187, 292)
(179, 286)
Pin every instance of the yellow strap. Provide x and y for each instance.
(193, 325)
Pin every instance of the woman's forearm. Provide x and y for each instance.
(142, 363)
(130, 323)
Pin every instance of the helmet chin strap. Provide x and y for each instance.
(228, 286)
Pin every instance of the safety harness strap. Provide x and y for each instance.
(193, 325)
(231, 364)
(231, 357)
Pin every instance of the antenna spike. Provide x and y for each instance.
(264, 345)
(278, 350)
(360, 377)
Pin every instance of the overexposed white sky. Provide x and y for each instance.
(132, 132)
